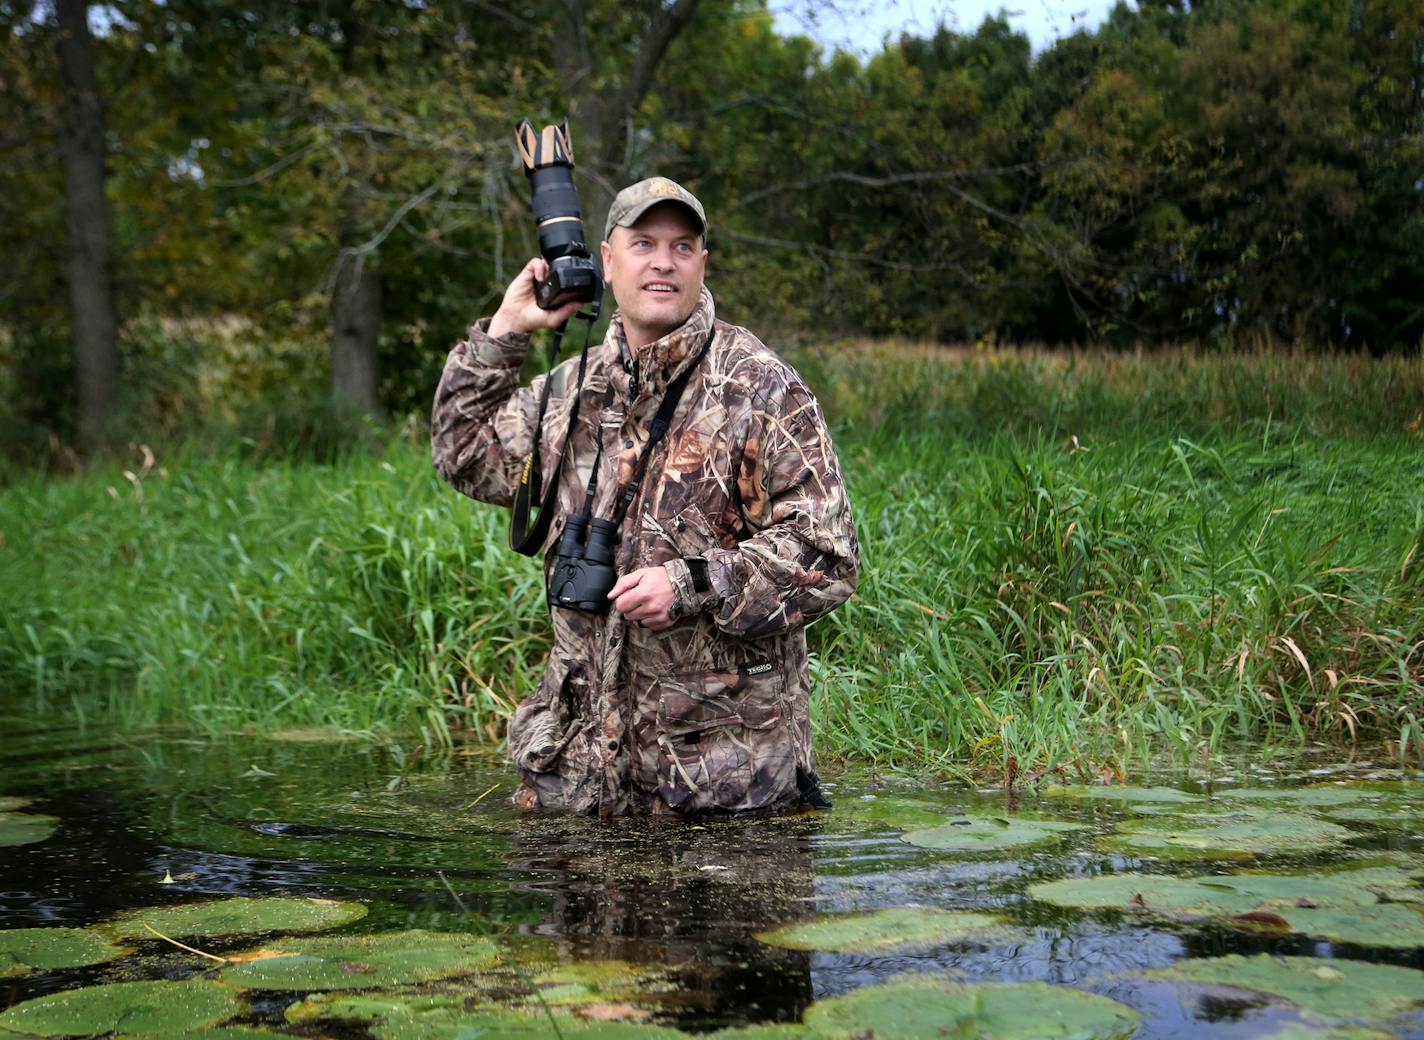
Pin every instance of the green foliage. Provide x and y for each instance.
(1070, 560)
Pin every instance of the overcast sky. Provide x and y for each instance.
(858, 26)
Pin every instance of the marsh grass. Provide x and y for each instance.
(1072, 562)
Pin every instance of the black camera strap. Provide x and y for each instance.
(527, 541)
(656, 432)
(522, 538)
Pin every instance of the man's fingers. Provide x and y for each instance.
(623, 584)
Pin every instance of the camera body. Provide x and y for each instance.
(584, 571)
(548, 160)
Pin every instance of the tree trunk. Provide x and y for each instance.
(96, 355)
(355, 330)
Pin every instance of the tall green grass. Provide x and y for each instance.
(1071, 561)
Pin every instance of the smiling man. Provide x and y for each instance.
(690, 693)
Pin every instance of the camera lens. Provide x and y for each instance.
(556, 208)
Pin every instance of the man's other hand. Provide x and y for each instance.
(519, 313)
(645, 596)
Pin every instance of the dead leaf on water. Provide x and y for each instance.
(613, 1013)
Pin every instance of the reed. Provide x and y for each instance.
(1072, 561)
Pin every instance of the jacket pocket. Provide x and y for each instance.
(547, 720)
(722, 741)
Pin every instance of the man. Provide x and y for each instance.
(690, 694)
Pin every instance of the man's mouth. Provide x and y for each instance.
(661, 287)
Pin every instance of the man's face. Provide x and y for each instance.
(655, 270)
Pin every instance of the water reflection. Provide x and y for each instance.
(686, 897)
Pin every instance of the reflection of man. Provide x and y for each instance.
(690, 694)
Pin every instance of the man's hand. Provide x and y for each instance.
(519, 313)
(645, 596)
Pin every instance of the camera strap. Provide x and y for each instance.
(656, 432)
(522, 538)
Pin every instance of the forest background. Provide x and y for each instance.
(239, 239)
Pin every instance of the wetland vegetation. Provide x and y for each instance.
(1074, 561)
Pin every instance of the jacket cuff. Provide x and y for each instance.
(692, 591)
(488, 351)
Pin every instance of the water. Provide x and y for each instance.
(427, 840)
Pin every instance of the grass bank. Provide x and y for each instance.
(1071, 560)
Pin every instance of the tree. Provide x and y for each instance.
(96, 356)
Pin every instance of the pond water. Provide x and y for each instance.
(1179, 909)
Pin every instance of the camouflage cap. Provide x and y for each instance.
(636, 199)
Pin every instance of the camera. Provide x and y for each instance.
(583, 573)
(548, 160)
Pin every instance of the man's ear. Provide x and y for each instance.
(604, 252)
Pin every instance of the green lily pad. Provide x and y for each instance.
(9, 803)
(1261, 834)
(768, 1031)
(1333, 988)
(43, 949)
(1300, 1031)
(391, 1016)
(1124, 793)
(134, 1008)
(17, 828)
(590, 982)
(365, 961)
(236, 916)
(1323, 906)
(1404, 817)
(928, 1008)
(225, 1033)
(1402, 885)
(1315, 796)
(989, 833)
(883, 929)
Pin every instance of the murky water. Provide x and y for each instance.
(427, 840)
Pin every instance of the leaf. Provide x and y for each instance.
(365, 961)
(239, 915)
(1125, 793)
(18, 828)
(134, 1008)
(1255, 834)
(613, 1013)
(1337, 989)
(936, 1008)
(884, 929)
(44, 949)
(986, 834)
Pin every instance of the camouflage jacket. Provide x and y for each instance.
(711, 714)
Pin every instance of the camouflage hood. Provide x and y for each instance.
(743, 504)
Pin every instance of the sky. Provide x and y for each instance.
(859, 26)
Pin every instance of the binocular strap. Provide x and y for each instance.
(522, 538)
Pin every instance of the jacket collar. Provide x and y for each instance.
(663, 360)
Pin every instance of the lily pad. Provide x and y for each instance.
(1125, 793)
(9, 803)
(926, 1008)
(236, 916)
(1402, 885)
(133, 1008)
(43, 949)
(590, 982)
(1403, 817)
(1310, 796)
(1323, 906)
(884, 929)
(1257, 834)
(424, 1017)
(225, 1033)
(1333, 988)
(365, 961)
(17, 828)
(989, 833)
